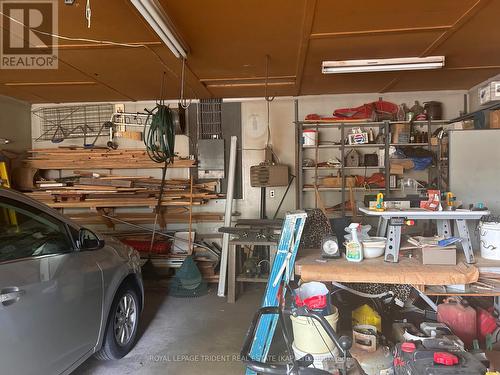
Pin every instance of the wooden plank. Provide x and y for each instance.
(104, 182)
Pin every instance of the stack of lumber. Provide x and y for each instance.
(91, 190)
(96, 158)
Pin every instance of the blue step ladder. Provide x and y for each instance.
(282, 270)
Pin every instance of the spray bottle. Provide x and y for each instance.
(353, 248)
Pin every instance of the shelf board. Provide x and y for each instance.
(422, 122)
(337, 124)
(321, 146)
(332, 124)
(409, 144)
(335, 168)
(356, 189)
(364, 145)
(246, 279)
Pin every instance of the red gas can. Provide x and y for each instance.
(486, 324)
(460, 317)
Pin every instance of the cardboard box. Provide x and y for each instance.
(495, 119)
(439, 255)
(396, 169)
(400, 133)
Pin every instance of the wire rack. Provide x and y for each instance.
(210, 119)
(59, 123)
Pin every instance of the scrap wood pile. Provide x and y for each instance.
(92, 190)
(96, 158)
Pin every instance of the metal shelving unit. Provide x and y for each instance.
(384, 128)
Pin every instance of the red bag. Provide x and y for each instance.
(376, 111)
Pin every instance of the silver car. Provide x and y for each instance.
(65, 292)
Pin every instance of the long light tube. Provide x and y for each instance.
(382, 65)
(153, 13)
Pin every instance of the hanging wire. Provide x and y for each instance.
(266, 96)
(184, 103)
(268, 101)
(88, 13)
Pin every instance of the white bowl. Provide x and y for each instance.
(374, 247)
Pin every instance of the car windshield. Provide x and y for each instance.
(28, 232)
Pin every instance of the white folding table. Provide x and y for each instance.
(391, 221)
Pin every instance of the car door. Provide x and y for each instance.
(50, 293)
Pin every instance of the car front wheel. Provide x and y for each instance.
(121, 327)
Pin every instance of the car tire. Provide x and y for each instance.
(121, 326)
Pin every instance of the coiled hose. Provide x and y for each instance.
(160, 138)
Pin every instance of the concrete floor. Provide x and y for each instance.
(185, 336)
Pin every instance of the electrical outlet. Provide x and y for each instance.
(272, 193)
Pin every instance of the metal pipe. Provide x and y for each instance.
(227, 216)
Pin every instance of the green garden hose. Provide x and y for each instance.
(160, 138)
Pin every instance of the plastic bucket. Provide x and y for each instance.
(307, 338)
(315, 296)
(318, 358)
(489, 235)
(309, 137)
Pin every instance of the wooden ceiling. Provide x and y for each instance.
(228, 41)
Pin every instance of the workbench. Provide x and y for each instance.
(429, 279)
(408, 271)
(391, 221)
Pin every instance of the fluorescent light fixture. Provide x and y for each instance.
(382, 65)
(153, 13)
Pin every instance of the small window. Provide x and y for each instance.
(28, 232)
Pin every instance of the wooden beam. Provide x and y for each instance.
(466, 17)
(379, 32)
(54, 83)
(307, 25)
(248, 79)
(462, 20)
(77, 46)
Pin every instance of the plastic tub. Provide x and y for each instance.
(318, 358)
(374, 247)
(309, 137)
(307, 338)
(490, 240)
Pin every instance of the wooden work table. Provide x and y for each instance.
(406, 271)
(429, 279)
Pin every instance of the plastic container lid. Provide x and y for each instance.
(408, 347)
(445, 358)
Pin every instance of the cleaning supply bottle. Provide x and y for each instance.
(353, 249)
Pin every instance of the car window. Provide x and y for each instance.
(28, 232)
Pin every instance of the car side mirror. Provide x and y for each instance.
(88, 240)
